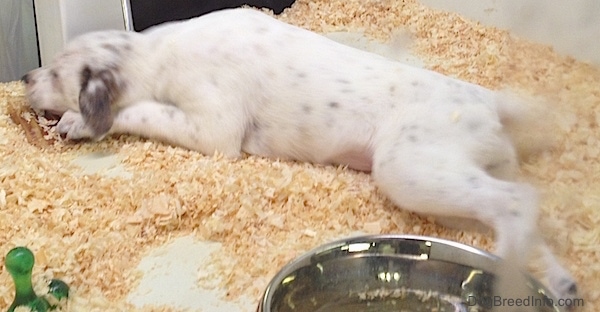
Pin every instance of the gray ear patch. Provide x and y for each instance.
(99, 88)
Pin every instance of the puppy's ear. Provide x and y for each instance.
(99, 88)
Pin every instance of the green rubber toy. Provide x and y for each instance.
(19, 263)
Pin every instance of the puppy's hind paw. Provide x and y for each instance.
(565, 288)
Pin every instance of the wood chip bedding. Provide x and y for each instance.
(92, 230)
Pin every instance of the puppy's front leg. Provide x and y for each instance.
(199, 131)
(166, 123)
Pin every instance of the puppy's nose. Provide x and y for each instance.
(25, 78)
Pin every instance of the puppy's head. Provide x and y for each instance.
(86, 77)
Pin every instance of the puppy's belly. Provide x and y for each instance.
(361, 160)
(357, 159)
(314, 144)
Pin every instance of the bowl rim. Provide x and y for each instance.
(455, 255)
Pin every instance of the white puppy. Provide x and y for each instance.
(238, 81)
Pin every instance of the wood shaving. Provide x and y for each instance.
(91, 230)
(39, 130)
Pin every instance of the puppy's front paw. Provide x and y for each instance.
(72, 126)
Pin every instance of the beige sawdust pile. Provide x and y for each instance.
(92, 230)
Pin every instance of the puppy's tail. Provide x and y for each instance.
(530, 122)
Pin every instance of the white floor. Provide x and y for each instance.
(571, 27)
(171, 278)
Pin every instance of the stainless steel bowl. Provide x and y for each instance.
(391, 273)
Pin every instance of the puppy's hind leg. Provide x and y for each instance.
(440, 179)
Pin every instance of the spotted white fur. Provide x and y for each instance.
(239, 81)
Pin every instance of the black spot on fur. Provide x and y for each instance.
(256, 126)
(412, 127)
(56, 82)
(112, 48)
(492, 167)
(194, 137)
(474, 126)
(343, 81)
(367, 100)
(474, 182)
(457, 100)
(334, 104)
(101, 36)
(124, 35)
(169, 111)
(301, 75)
(213, 81)
(307, 109)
